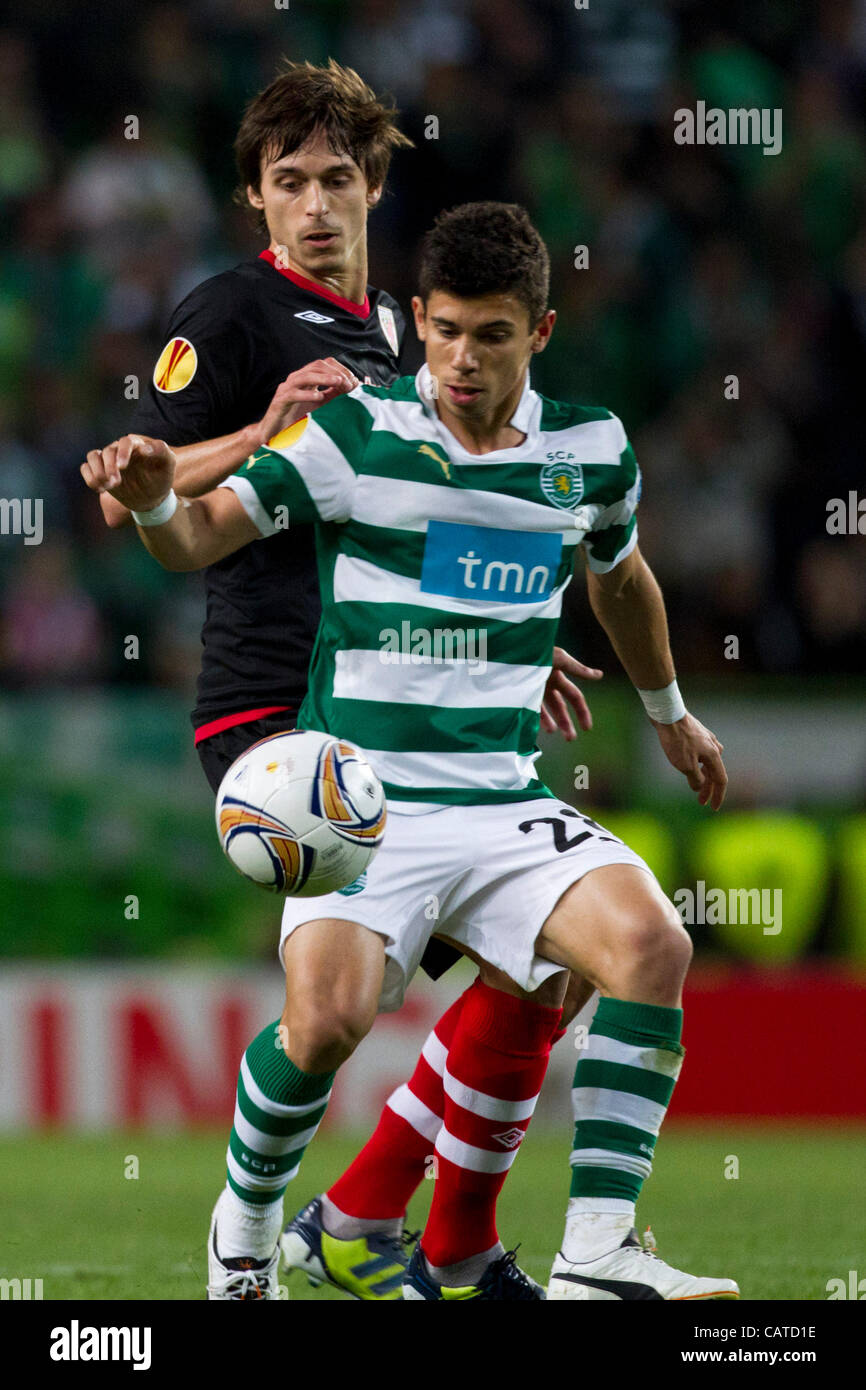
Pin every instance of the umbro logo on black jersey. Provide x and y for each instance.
(311, 316)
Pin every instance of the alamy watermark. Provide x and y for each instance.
(720, 907)
(22, 516)
(846, 516)
(423, 646)
(23, 1289)
(77, 1343)
(854, 1287)
(737, 126)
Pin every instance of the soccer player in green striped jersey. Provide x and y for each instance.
(449, 510)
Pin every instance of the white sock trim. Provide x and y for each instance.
(600, 1206)
(487, 1106)
(434, 1052)
(273, 1107)
(423, 1120)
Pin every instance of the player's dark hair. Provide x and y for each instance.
(487, 248)
(306, 99)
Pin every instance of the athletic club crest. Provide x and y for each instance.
(562, 484)
(389, 327)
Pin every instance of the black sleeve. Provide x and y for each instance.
(212, 326)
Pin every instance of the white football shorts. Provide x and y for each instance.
(487, 876)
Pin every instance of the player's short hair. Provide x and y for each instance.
(305, 99)
(487, 248)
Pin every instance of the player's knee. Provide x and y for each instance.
(677, 947)
(319, 1050)
(658, 943)
(320, 1042)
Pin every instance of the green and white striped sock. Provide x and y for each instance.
(622, 1087)
(277, 1112)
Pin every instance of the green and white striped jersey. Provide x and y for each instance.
(442, 574)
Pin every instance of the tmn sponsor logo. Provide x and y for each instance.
(498, 577)
(738, 126)
(22, 516)
(21, 1289)
(485, 564)
(716, 907)
(422, 646)
(77, 1343)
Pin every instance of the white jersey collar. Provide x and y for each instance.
(526, 417)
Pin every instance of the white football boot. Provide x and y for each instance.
(240, 1279)
(631, 1271)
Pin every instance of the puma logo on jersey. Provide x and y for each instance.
(444, 463)
(311, 316)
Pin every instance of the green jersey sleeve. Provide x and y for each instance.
(308, 472)
(613, 535)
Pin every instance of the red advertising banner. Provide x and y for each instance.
(99, 1047)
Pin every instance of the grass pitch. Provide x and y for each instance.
(793, 1219)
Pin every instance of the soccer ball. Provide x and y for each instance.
(301, 813)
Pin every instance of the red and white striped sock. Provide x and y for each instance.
(380, 1181)
(493, 1074)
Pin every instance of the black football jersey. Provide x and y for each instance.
(230, 344)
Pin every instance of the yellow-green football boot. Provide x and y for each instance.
(371, 1268)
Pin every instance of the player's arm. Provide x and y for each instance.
(628, 602)
(139, 473)
(308, 479)
(202, 466)
(199, 468)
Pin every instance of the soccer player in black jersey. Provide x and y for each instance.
(231, 344)
(248, 353)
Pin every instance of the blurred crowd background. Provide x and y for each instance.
(704, 262)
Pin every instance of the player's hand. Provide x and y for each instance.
(137, 471)
(560, 692)
(697, 753)
(114, 512)
(304, 390)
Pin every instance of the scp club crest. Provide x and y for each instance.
(562, 484)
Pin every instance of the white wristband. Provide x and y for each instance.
(666, 705)
(159, 514)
